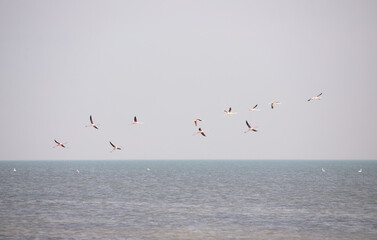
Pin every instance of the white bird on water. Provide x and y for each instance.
(14, 170)
(273, 103)
(115, 147)
(318, 97)
(77, 171)
(92, 124)
(323, 170)
(361, 170)
(250, 127)
(60, 144)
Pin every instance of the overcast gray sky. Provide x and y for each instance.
(169, 62)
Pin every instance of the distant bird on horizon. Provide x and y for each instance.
(197, 120)
(92, 124)
(254, 108)
(318, 97)
(60, 144)
(250, 128)
(135, 121)
(361, 170)
(115, 147)
(229, 112)
(201, 132)
(273, 103)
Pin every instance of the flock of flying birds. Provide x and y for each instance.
(92, 124)
(196, 122)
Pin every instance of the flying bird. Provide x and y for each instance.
(201, 132)
(228, 112)
(115, 147)
(254, 108)
(273, 103)
(197, 120)
(135, 121)
(250, 128)
(92, 124)
(318, 97)
(60, 144)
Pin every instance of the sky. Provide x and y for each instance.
(170, 62)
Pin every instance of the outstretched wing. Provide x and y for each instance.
(319, 95)
(112, 144)
(248, 125)
(135, 119)
(203, 134)
(91, 120)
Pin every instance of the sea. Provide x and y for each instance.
(188, 199)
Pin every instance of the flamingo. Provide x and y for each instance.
(197, 120)
(318, 97)
(254, 108)
(135, 121)
(115, 147)
(228, 112)
(92, 124)
(201, 132)
(60, 144)
(250, 128)
(273, 103)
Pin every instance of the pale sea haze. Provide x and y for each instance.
(182, 199)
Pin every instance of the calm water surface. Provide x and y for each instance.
(188, 200)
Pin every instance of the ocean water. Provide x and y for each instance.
(188, 200)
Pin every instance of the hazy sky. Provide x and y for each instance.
(169, 62)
